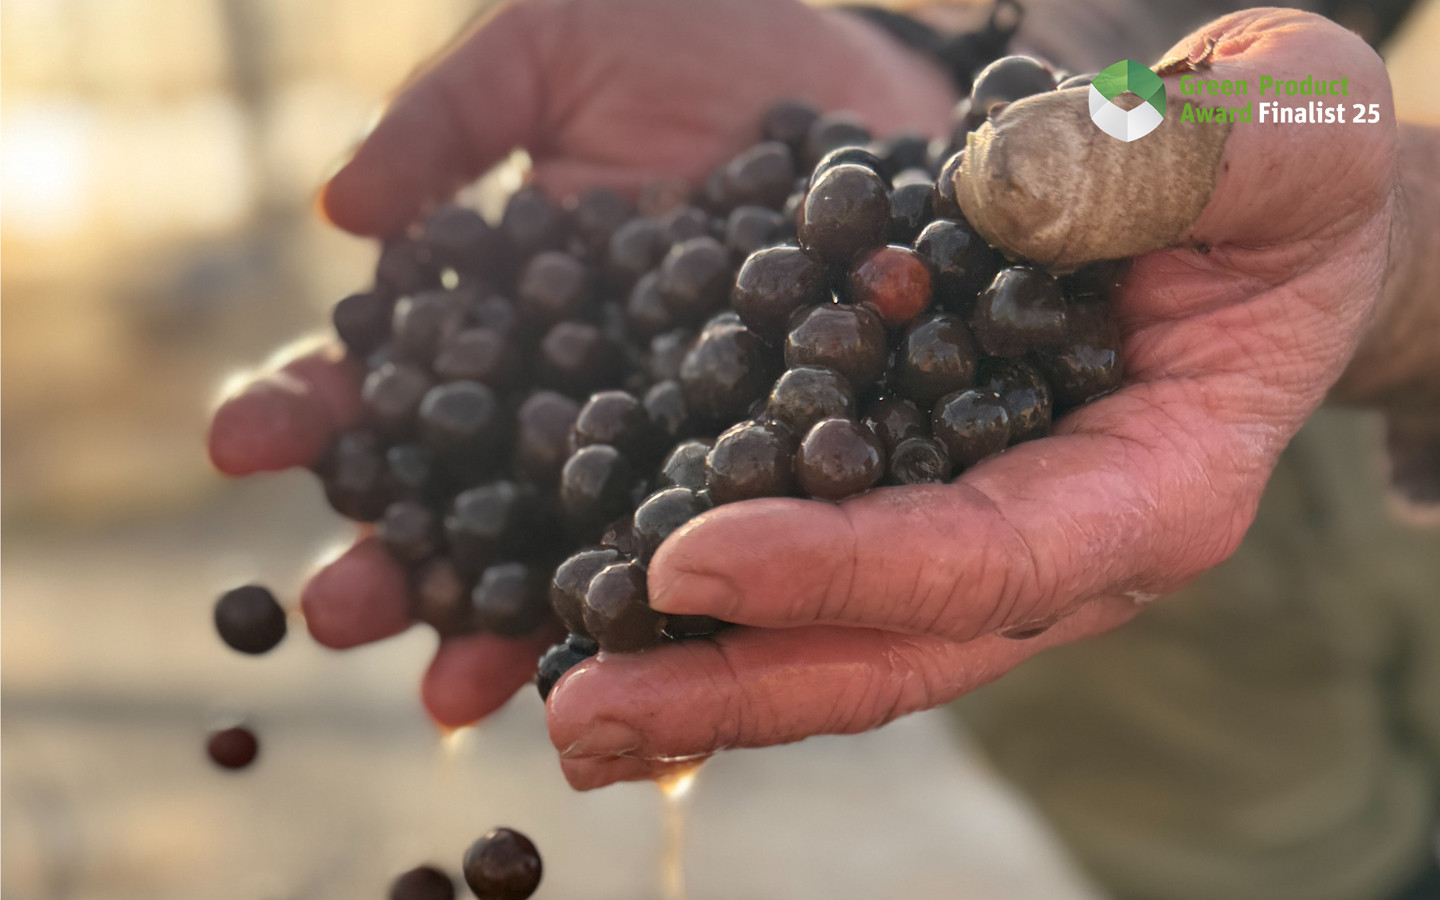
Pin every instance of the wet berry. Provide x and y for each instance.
(894, 280)
(502, 865)
(1023, 391)
(919, 460)
(849, 339)
(684, 466)
(659, 516)
(1022, 309)
(749, 460)
(558, 660)
(772, 284)
(847, 210)
(972, 424)
(806, 394)
(572, 578)
(838, 458)
(936, 357)
(963, 263)
(617, 610)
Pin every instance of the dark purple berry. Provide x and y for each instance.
(837, 459)
(846, 211)
(233, 748)
(806, 394)
(936, 357)
(502, 865)
(848, 339)
(1022, 309)
(685, 466)
(1023, 391)
(423, 883)
(510, 599)
(660, 515)
(249, 619)
(749, 460)
(772, 284)
(972, 424)
(919, 460)
(617, 610)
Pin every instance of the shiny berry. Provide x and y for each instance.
(894, 418)
(772, 284)
(572, 578)
(972, 424)
(838, 458)
(684, 466)
(963, 263)
(849, 339)
(1023, 391)
(502, 865)
(919, 460)
(595, 487)
(617, 610)
(749, 460)
(618, 419)
(894, 280)
(1022, 309)
(726, 371)
(936, 357)
(659, 516)
(1008, 79)
(846, 211)
(558, 660)
(806, 394)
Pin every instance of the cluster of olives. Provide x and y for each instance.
(550, 398)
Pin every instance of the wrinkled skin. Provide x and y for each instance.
(896, 601)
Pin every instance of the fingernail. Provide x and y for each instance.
(604, 738)
(692, 593)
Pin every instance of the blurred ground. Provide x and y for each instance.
(112, 673)
(159, 158)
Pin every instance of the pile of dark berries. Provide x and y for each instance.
(548, 399)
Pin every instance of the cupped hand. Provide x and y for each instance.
(906, 598)
(600, 92)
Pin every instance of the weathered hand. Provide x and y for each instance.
(599, 92)
(899, 600)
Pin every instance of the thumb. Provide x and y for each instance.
(1042, 181)
(462, 114)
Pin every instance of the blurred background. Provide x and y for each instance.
(158, 236)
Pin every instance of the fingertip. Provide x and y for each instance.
(357, 599)
(474, 675)
(334, 380)
(363, 202)
(273, 423)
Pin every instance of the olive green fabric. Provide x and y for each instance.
(1273, 731)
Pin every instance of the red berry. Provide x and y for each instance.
(893, 279)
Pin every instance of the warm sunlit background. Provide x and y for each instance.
(159, 159)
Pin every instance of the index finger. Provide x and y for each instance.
(462, 114)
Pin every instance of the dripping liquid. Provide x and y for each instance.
(674, 789)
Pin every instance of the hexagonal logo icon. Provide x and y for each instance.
(1115, 120)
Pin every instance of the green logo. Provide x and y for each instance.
(1120, 123)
